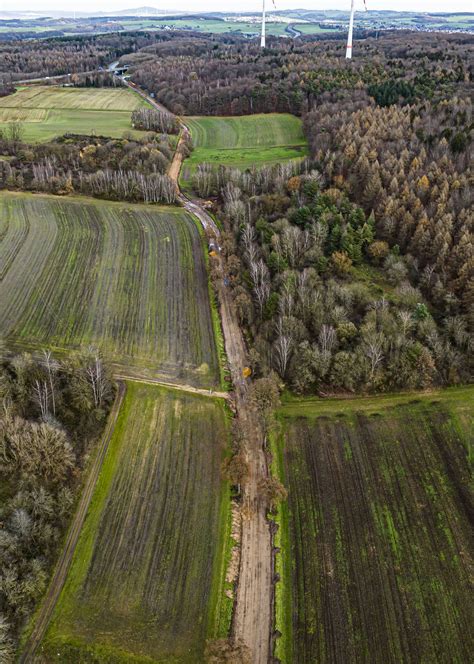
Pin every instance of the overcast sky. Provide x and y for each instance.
(235, 5)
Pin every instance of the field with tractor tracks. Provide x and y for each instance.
(244, 141)
(146, 580)
(49, 111)
(131, 279)
(377, 534)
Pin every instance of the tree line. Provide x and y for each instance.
(51, 411)
(116, 169)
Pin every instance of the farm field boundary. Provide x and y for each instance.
(243, 141)
(376, 537)
(41, 620)
(48, 111)
(152, 546)
(130, 279)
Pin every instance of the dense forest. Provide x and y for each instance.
(32, 58)
(198, 75)
(132, 169)
(355, 269)
(51, 410)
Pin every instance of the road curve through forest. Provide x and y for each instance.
(64, 562)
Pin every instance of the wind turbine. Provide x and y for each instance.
(262, 38)
(351, 28)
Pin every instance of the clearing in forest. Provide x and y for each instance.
(146, 581)
(130, 279)
(49, 111)
(377, 532)
(244, 141)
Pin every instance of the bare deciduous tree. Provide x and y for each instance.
(283, 347)
(52, 366)
(260, 276)
(96, 377)
(327, 338)
(41, 396)
(373, 346)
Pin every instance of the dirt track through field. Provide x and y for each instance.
(252, 620)
(173, 386)
(64, 562)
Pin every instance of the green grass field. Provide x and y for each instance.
(47, 111)
(213, 26)
(146, 581)
(131, 279)
(377, 530)
(244, 141)
(206, 25)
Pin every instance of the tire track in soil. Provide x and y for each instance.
(64, 562)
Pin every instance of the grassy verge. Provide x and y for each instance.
(461, 398)
(283, 601)
(220, 612)
(225, 384)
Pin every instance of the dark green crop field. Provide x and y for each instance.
(146, 581)
(131, 279)
(377, 533)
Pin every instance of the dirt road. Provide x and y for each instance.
(252, 621)
(173, 386)
(64, 562)
(175, 167)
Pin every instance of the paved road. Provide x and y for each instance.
(291, 30)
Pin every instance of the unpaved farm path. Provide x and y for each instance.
(252, 619)
(64, 562)
(177, 161)
(182, 387)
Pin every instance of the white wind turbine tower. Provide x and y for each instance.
(262, 38)
(351, 28)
